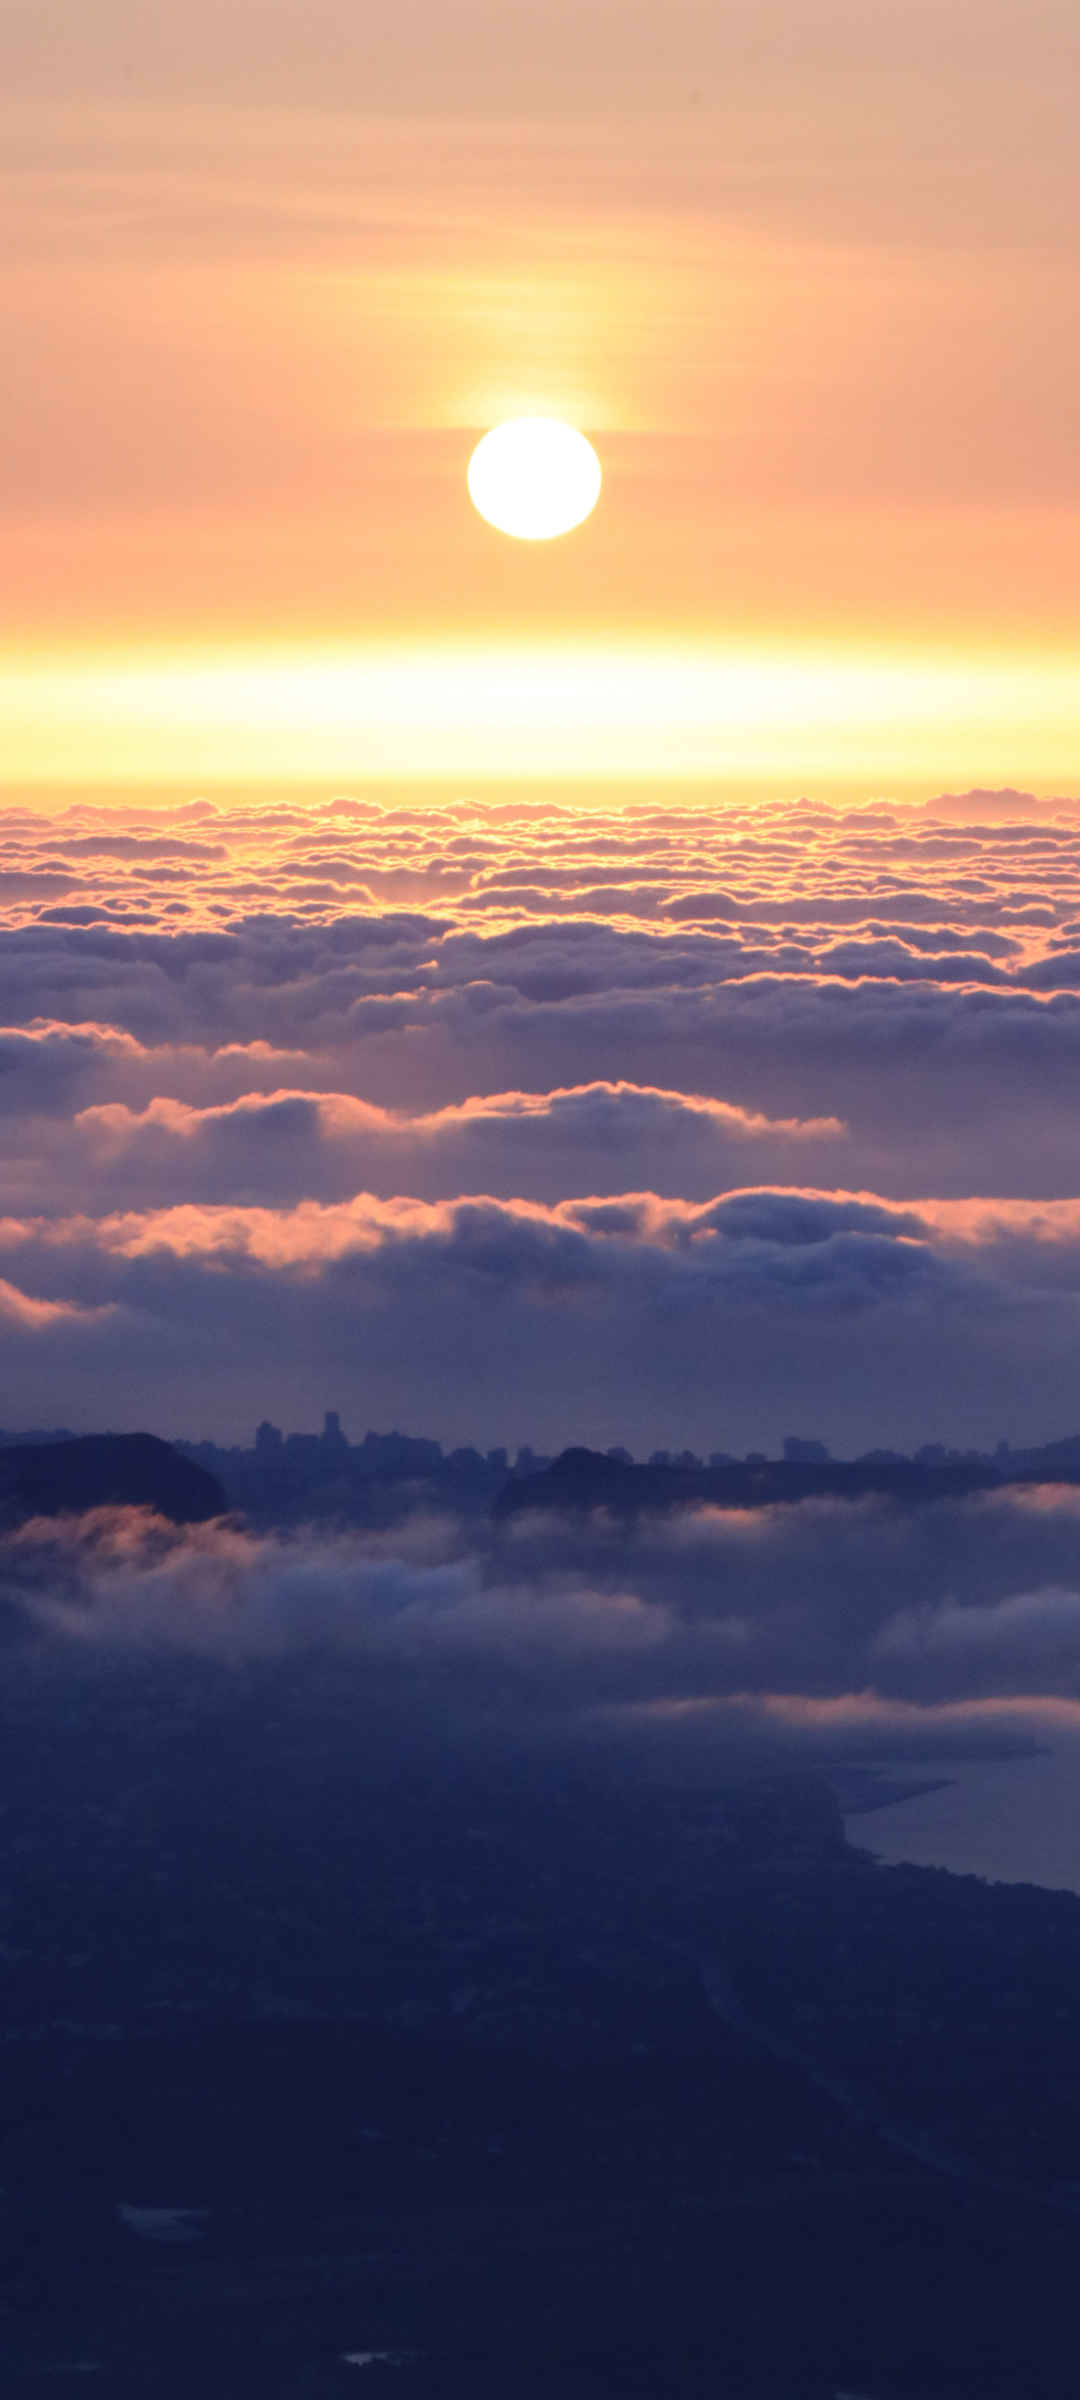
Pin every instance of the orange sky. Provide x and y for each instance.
(809, 277)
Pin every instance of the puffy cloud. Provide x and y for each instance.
(43, 1063)
(284, 1145)
(21, 1314)
(692, 1639)
(136, 846)
(1030, 1634)
(642, 1319)
(995, 807)
(601, 1077)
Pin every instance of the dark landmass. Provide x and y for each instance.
(689, 2225)
(324, 1478)
(860, 1790)
(527, 2079)
(582, 1480)
(556, 2085)
(300, 1478)
(129, 1470)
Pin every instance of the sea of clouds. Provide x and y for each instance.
(508, 1121)
(513, 1121)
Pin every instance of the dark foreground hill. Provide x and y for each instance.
(238, 2209)
(597, 2094)
(586, 1479)
(101, 1470)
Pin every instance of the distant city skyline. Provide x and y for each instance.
(270, 1441)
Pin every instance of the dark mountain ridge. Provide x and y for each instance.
(103, 1470)
(580, 1480)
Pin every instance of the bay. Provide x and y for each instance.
(1014, 1820)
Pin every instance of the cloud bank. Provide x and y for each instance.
(649, 1123)
(822, 1630)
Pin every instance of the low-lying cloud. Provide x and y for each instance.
(824, 1629)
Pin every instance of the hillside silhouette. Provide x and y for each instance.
(100, 1470)
(588, 1479)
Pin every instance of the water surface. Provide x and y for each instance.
(1013, 1820)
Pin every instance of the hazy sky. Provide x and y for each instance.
(807, 275)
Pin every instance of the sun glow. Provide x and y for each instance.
(534, 478)
(591, 709)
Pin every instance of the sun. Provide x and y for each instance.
(534, 478)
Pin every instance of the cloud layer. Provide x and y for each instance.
(644, 1123)
(825, 1629)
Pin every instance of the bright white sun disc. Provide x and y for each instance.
(534, 477)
